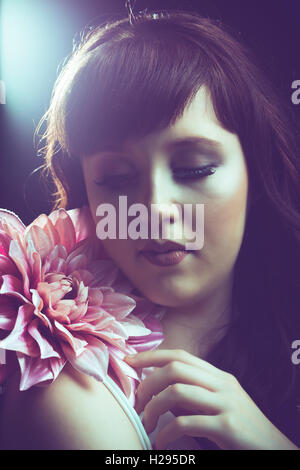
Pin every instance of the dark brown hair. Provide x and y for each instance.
(127, 80)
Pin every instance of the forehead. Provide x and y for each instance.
(197, 120)
(197, 127)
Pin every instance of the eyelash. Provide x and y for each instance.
(188, 174)
(197, 173)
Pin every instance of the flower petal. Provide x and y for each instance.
(39, 239)
(38, 305)
(59, 251)
(5, 240)
(112, 338)
(7, 266)
(56, 365)
(93, 360)
(61, 311)
(83, 222)
(9, 217)
(125, 373)
(7, 286)
(105, 273)
(84, 275)
(82, 326)
(152, 340)
(53, 291)
(95, 296)
(47, 226)
(8, 313)
(58, 265)
(35, 263)
(79, 262)
(118, 305)
(135, 327)
(65, 228)
(19, 339)
(17, 254)
(81, 248)
(33, 371)
(46, 348)
(55, 261)
(59, 270)
(98, 317)
(77, 345)
(10, 285)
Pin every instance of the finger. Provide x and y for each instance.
(195, 426)
(160, 357)
(184, 398)
(173, 372)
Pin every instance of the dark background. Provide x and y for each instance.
(37, 35)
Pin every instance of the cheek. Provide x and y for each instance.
(225, 217)
(121, 251)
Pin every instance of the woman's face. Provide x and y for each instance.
(151, 170)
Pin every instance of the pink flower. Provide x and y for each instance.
(63, 299)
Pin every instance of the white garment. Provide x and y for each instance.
(147, 441)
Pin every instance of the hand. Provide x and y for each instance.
(206, 401)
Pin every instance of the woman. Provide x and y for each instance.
(170, 108)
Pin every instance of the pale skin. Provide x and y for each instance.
(74, 412)
(206, 401)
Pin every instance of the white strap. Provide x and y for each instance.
(129, 410)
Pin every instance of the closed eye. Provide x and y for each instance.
(194, 173)
(116, 181)
(119, 181)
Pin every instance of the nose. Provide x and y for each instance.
(161, 197)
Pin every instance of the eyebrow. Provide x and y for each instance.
(194, 141)
(202, 143)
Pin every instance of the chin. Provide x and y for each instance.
(170, 297)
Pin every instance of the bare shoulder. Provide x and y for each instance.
(74, 412)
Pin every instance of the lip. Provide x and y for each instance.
(169, 258)
(154, 247)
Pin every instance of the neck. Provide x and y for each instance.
(197, 328)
